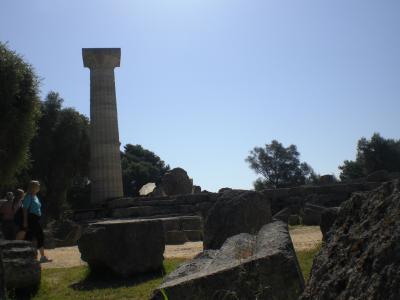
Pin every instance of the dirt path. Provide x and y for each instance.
(303, 237)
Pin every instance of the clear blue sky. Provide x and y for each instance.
(203, 82)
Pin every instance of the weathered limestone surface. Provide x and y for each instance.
(361, 255)
(21, 269)
(105, 164)
(125, 247)
(261, 266)
(235, 212)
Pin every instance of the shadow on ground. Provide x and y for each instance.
(106, 280)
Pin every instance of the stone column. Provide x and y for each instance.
(105, 162)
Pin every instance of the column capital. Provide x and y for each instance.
(101, 58)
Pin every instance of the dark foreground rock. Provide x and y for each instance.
(2, 283)
(123, 247)
(21, 269)
(361, 258)
(261, 266)
(235, 212)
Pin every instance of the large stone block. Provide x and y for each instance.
(361, 256)
(124, 247)
(261, 266)
(21, 269)
(235, 212)
(176, 182)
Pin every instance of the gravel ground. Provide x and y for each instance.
(303, 237)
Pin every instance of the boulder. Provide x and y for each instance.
(361, 256)
(235, 212)
(176, 182)
(125, 247)
(22, 271)
(261, 266)
(328, 217)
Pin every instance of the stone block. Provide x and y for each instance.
(21, 269)
(125, 247)
(260, 266)
(235, 212)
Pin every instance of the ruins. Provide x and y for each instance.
(105, 161)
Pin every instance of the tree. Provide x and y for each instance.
(279, 166)
(140, 166)
(375, 154)
(20, 108)
(60, 152)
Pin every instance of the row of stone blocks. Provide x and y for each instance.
(142, 207)
(247, 266)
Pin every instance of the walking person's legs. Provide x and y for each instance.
(37, 233)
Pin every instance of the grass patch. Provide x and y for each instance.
(305, 258)
(79, 283)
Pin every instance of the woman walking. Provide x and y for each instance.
(32, 212)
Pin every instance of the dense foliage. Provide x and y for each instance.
(375, 154)
(278, 166)
(140, 166)
(19, 106)
(60, 152)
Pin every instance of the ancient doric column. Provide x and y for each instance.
(105, 162)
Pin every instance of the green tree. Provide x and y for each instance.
(278, 166)
(20, 108)
(375, 154)
(60, 152)
(140, 166)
